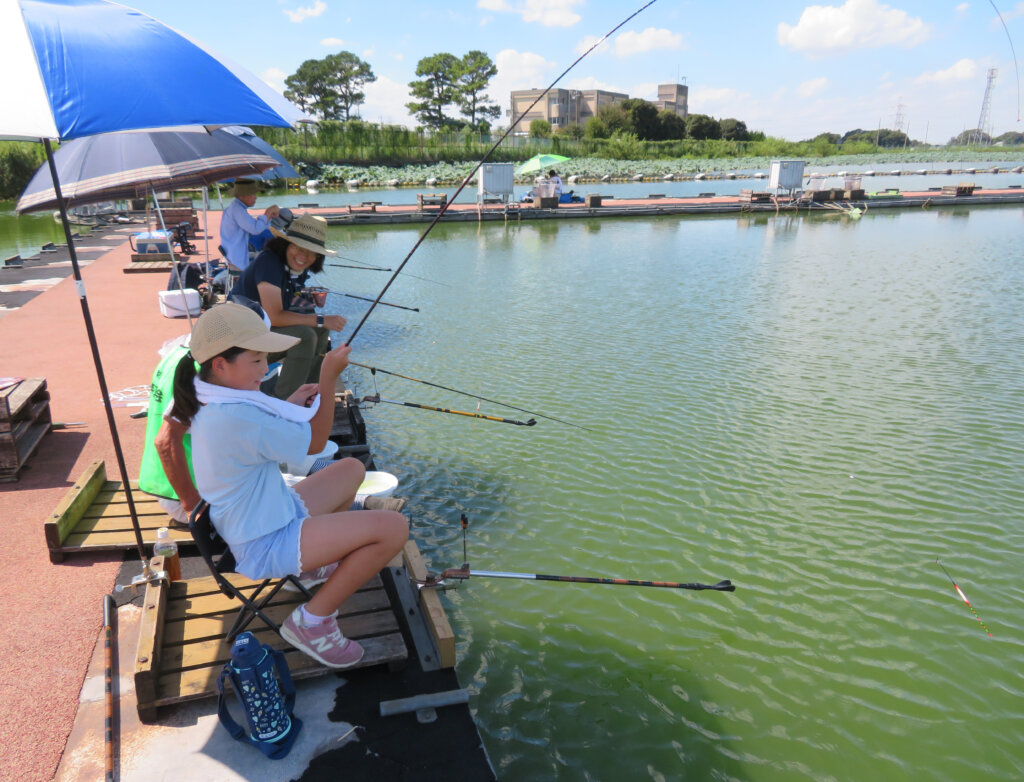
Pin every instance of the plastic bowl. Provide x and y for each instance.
(378, 484)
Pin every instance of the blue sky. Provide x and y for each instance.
(791, 69)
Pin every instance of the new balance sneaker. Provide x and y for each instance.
(311, 578)
(384, 503)
(323, 642)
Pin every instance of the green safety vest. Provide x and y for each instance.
(152, 479)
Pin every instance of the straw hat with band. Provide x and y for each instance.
(246, 187)
(234, 326)
(308, 232)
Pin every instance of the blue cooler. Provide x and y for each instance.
(151, 242)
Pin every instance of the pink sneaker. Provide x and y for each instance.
(323, 642)
(312, 578)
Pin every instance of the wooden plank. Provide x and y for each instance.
(147, 267)
(430, 602)
(197, 587)
(112, 541)
(25, 445)
(14, 398)
(212, 604)
(75, 502)
(179, 687)
(147, 655)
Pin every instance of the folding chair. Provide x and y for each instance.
(220, 560)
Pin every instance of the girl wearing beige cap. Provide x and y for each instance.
(240, 436)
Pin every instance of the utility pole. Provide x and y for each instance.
(985, 118)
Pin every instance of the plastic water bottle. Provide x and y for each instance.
(168, 549)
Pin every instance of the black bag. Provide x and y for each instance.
(191, 277)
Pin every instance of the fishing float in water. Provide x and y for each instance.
(963, 597)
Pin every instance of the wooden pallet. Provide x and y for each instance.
(93, 516)
(182, 645)
(24, 420)
(148, 267)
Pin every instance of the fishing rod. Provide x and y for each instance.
(365, 265)
(364, 298)
(960, 592)
(477, 167)
(464, 573)
(375, 370)
(361, 268)
(109, 610)
(375, 399)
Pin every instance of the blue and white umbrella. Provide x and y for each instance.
(283, 169)
(80, 67)
(74, 68)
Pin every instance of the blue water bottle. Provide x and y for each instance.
(255, 670)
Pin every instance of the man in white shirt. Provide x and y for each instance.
(237, 225)
(555, 180)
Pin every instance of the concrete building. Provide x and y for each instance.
(564, 107)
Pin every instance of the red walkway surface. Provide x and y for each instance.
(51, 615)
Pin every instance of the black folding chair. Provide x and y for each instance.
(220, 560)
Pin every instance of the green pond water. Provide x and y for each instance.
(815, 408)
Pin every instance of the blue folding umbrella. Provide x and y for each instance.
(283, 169)
(77, 68)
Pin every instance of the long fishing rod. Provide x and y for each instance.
(365, 265)
(464, 573)
(109, 610)
(375, 399)
(361, 268)
(364, 298)
(469, 176)
(375, 370)
(960, 592)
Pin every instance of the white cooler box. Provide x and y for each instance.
(173, 303)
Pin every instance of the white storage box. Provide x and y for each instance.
(151, 242)
(173, 303)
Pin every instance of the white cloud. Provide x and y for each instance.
(517, 71)
(549, 13)
(275, 78)
(962, 70)
(368, 53)
(1017, 11)
(385, 102)
(719, 101)
(962, 9)
(647, 90)
(649, 40)
(302, 13)
(812, 87)
(332, 42)
(590, 83)
(857, 24)
(398, 56)
(632, 42)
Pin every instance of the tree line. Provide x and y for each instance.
(332, 89)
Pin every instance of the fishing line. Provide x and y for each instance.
(364, 298)
(469, 176)
(381, 269)
(374, 370)
(960, 592)
(1016, 70)
(376, 399)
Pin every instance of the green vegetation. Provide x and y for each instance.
(449, 80)
(18, 162)
(330, 88)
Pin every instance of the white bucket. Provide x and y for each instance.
(378, 484)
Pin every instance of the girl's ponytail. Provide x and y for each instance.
(186, 404)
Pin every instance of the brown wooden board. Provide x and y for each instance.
(430, 602)
(147, 267)
(93, 516)
(181, 659)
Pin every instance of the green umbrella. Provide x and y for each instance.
(540, 163)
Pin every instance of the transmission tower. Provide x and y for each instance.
(985, 118)
(898, 122)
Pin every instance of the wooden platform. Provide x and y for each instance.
(93, 516)
(148, 267)
(24, 421)
(182, 644)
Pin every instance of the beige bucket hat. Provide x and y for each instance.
(308, 232)
(231, 325)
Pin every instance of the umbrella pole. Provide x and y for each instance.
(90, 332)
(206, 232)
(174, 261)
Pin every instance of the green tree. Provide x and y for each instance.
(701, 126)
(672, 125)
(967, 138)
(596, 128)
(614, 118)
(733, 130)
(573, 130)
(474, 74)
(1010, 138)
(348, 75)
(310, 89)
(642, 118)
(436, 90)
(540, 128)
